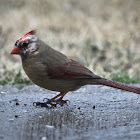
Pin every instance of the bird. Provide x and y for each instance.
(52, 70)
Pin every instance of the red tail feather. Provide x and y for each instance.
(121, 86)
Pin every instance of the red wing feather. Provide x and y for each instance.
(70, 70)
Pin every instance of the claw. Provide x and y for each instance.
(67, 101)
(45, 99)
(61, 102)
(51, 103)
(44, 104)
(36, 103)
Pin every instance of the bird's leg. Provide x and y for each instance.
(53, 101)
(60, 101)
(53, 97)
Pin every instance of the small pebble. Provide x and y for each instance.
(40, 117)
(24, 111)
(17, 103)
(11, 120)
(49, 126)
(93, 107)
(17, 116)
(1, 137)
(44, 138)
(15, 100)
(3, 92)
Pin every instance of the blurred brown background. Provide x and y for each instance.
(104, 35)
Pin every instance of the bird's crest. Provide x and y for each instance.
(32, 32)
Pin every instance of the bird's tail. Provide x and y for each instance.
(119, 85)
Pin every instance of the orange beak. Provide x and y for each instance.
(16, 50)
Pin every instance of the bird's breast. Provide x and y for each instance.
(36, 71)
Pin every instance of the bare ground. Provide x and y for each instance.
(94, 112)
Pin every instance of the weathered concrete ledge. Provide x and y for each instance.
(94, 112)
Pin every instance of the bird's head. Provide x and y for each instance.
(25, 44)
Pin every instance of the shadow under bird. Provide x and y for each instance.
(52, 70)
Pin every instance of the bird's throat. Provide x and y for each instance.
(24, 56)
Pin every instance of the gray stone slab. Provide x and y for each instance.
(94, 113)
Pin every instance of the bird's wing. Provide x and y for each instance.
(70, 70)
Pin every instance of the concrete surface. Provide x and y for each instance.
(94, 113)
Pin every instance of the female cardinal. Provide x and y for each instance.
(53, 70)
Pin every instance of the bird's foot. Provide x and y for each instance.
(51, 103)
(44, 104)
(60, 102)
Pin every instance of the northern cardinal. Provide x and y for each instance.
(53, 70)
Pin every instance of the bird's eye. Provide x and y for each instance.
(25, 45)
(16, 43)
